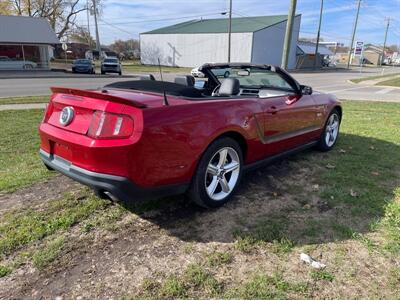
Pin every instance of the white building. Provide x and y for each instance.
(257, 40)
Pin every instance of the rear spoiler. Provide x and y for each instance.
(97, 95)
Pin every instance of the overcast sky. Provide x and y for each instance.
(124, 19)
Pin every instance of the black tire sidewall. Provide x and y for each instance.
(197, 191)
(322, 142)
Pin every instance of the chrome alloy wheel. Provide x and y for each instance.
(222, 173)
(332, 130)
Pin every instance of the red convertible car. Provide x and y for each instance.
(145, 138)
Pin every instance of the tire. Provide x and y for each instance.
(102, 72)
(120, 73)
(207, 187)
(27, 67)
(226, 74)
(330, 133)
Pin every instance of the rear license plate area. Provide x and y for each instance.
(61, 150)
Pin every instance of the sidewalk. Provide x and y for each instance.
(22, 106)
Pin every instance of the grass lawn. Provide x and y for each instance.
(137, 67)
(19, 143)
(29, 99)
(358, 80)
(391, 82)
(342, 207)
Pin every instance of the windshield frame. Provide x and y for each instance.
(206, 69)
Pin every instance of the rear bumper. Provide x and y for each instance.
(119, 187)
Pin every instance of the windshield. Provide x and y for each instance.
(82, 61)
(253, 77)
(111, 60)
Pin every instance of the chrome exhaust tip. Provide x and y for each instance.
(111, 196)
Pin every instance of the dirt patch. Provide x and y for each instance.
(36, 193)
(164, 241)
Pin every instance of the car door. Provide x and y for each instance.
(290, 119)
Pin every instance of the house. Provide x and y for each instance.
(306, 55)
(25, 42)
(257, 40)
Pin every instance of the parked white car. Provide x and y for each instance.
(7, 63)
(217, 72)
(196, 73)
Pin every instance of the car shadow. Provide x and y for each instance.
(309, 198)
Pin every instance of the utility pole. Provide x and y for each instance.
(384, 43)
(288, 34)
(98, 46)
(318, 34)
(88, 23)
(230, 31)
(354, 33)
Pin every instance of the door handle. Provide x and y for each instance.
(272, 110)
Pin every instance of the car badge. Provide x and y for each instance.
(66, 116)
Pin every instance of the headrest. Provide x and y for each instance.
(229, 87)
(185, 80)
(147, 77)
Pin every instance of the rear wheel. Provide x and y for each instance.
(330, 133)
(218, 174)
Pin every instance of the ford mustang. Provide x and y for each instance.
(140, 139)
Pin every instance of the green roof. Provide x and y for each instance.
(246, 24)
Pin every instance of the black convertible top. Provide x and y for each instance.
(171, 88)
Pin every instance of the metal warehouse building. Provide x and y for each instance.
(257, 40)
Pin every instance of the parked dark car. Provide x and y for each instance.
(111, 65)
(83, 66)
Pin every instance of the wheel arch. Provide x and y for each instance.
(339, 109)
(235, 135)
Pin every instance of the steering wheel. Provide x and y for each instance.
(215, 90)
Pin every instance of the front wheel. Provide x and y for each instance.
(331, 132)
(218, 174)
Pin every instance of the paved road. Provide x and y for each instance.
(336, 82)
(326, 81)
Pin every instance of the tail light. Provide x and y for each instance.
(47, 112)
(106, 125)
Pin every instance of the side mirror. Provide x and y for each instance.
(306, 90)
(243, 73)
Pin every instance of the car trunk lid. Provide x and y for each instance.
(83, 104)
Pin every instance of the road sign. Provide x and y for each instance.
(358, 49)
(64, 46)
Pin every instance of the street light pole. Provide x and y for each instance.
(354, 33)
(318, 34)
(288, 34)
(230, 31)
